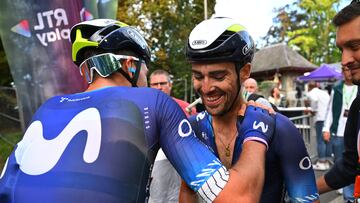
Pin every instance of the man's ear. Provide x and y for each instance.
(129, 66)
(245, 72)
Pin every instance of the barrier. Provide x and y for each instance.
(303, 123)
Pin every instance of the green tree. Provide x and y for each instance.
(306, 25)
(5, 78)
(166, 25)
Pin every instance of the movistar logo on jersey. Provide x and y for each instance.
(37, 155)
(264, 128)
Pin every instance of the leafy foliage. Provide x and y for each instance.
(166, 25)
(5, 76)
(306, 25)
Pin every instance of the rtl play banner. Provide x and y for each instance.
(35, 35)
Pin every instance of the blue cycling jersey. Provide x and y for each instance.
(288, 165)
(99, 146)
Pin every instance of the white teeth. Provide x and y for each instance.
(211, 99)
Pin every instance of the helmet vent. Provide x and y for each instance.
(222, 38)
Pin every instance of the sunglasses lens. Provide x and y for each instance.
(104, 64)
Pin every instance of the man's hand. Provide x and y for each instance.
(326, 136)
(258, 125)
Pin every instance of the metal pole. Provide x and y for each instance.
(186, 91)
(205, 10)
(191, 92)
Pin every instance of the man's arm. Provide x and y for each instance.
(322, 186)
(345, 169)
(295, 162)
(246, 180)
(199, 167)
(187, 195)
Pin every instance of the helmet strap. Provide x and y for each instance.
(133, 80)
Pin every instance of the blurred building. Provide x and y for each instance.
(281, 65)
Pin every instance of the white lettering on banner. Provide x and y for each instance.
(55, 17)
(264, 128)
(37, 155)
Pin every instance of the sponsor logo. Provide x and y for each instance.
(305, 163)
(264, 128)
(85, 15)
(180, 128)
(199, 42)
(22, 28)
(246, 49)
(200, 116)
(62, 99)
(204, 135)
(136, 36)
(37, 155)
(52, 26)
(146, 118)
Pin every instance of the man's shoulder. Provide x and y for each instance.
(181, 102)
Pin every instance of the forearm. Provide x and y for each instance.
(322, 185)
(186, 195)
(246, 176)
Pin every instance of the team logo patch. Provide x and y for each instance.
(37, 155)
(264, 128)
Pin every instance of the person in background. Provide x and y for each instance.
(165, 181)
(250, 92)
(99, 145)
(342, 95)
(250, 86)
(276, 98)
(160, 79)
(319, 102)
(346, 170)
(218, 70)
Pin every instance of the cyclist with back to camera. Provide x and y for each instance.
(99, 145)
(219, 67)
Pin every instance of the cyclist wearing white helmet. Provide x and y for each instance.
(220, 51)
(99, 145)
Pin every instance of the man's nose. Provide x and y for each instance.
(206, 86)
(347, 57)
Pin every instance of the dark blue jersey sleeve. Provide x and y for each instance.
(295, 162)
(200, 168)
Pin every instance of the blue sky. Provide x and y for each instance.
(255, 15)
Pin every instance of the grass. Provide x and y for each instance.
(7, 142)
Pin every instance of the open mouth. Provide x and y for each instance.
(212, 101)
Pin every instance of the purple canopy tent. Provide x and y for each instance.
(323, 73)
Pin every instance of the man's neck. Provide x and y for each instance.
(227, 122)
(113, 80)
(348, 82)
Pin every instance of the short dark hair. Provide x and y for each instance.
(347, 14)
